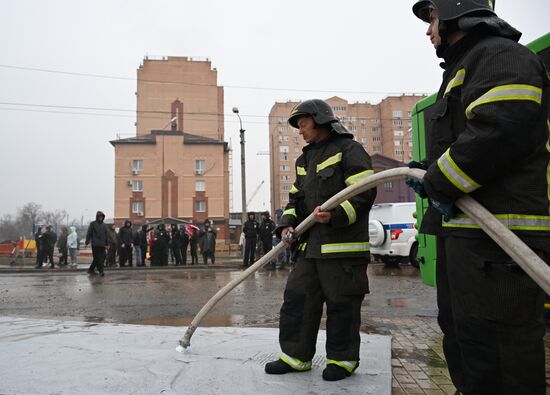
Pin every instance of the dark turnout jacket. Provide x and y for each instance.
(488, 136)
(98, 232)
(48, 239)
(266, 229)
(125, 234)
(324, 169)
(251, 229)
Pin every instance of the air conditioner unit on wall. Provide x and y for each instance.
(199, 172)
(135, 172)
(140, 214)
(130, 183)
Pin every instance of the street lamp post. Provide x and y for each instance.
(243, 171)
(82, 219)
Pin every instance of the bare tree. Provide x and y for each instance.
(9, 229)
(55, 218)
(28, 216)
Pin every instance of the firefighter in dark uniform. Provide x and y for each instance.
(251, 230)
(488, 136)
(266, 235)
(332, 256)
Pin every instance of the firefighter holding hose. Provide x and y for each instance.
(332, 256)
(487, 136)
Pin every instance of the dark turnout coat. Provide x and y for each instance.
(98, 232)
(488, 136)
(324, 169)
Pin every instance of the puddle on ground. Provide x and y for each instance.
(211, 320)
(399, 303)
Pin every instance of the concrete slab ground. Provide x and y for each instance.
(51, 356)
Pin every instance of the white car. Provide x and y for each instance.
(392, 234)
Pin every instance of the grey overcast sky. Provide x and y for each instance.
(360, 50)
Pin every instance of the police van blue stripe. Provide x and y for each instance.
(399, 226)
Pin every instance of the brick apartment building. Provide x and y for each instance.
(177, 164)
(383, 129)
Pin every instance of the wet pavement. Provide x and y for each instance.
(399, 305)
(173, 296)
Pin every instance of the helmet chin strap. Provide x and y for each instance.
(443, 34)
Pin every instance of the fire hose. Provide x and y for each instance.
(528, 260)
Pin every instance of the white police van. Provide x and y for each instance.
(392, 233)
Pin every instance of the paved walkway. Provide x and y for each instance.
(418, 363)
(51, 356)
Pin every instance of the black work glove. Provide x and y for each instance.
(413, 164)
(447, 210)
(417, 185)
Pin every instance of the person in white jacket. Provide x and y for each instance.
(72, 244)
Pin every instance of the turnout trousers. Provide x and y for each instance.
(249, 251)
(98, 254)
(342, 285)
(491, 315)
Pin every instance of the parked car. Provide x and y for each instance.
(392, 233)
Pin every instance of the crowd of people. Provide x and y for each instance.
(67, 244)
(128, 247)
(159, 244)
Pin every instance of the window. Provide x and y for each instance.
(283, 138)
(137, 208)
(200, 206)
(137, 186)
(363, 139)
(285, 168)
(364, 130)
(397, 114)
(408, 114)
(200, 166)
(363, 121)
(398, 142)
(284, 149)
(399, 153)
(296, 149)
(283, 128)
(137, 165)
(377, 138)
(375, 129)
(296, 140)
(285, 178)
(377, 149)
(410, 143)
(283, 119)
(388, 186)
(398, 133)
(339, 108)
(375, 120)
(284, 157)
(286, 187)
(397, 122)
(353, 128)
(284, 198)
(200, 186)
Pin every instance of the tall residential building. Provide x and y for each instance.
(383, 128)
(177, 164)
